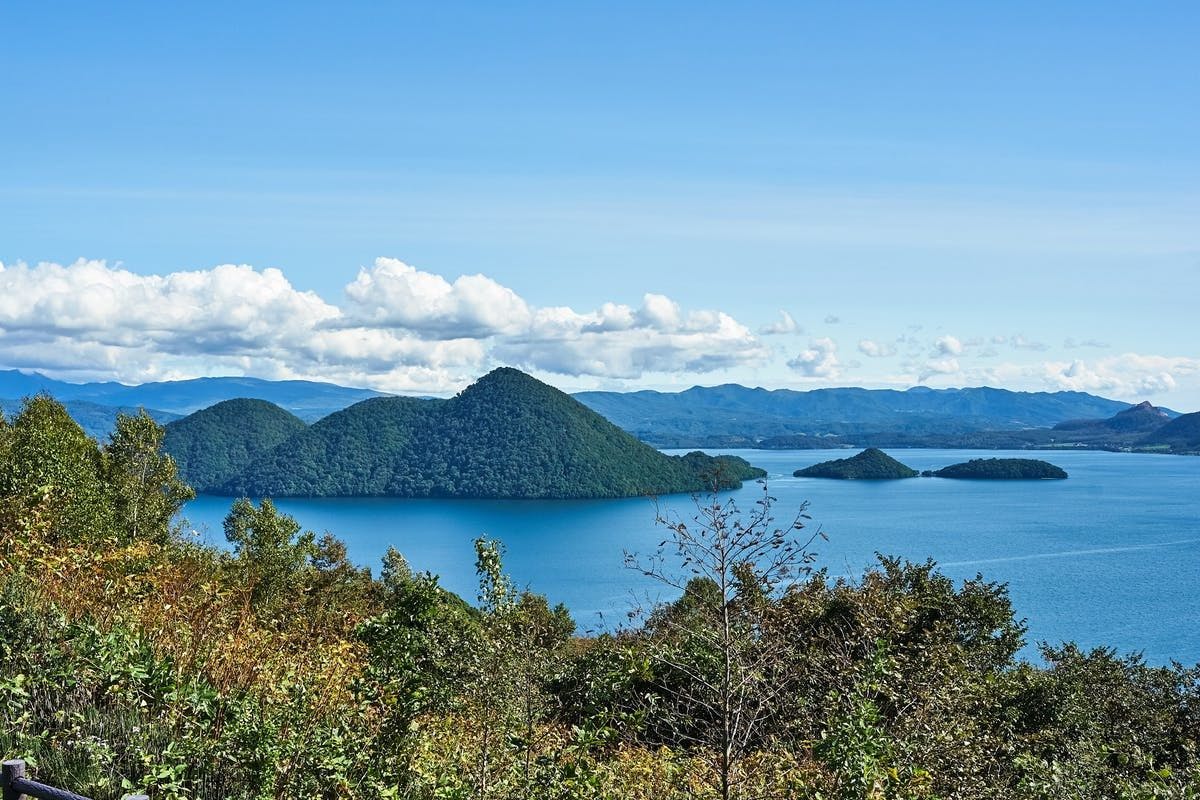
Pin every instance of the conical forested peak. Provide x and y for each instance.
(254, 409)
(506, 435)
(216, 443)
(510, 381)
(507, 374)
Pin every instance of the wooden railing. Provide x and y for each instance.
(15, 786)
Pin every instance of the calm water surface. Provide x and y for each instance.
(1110, 556)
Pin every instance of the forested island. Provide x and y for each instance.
(871, 464)
(1022, 469)
(136, 659)
(507, 435)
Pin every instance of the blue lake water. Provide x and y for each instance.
(1109, 557)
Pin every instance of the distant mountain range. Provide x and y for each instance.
(728, 416)
(310, 400)
(733, 415)
(507, 435)
(95, 405)
(97, 420)
(1142, 428)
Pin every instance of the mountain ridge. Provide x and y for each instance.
(309, 400)
(507, 435)
(674, 418)
(727, 415)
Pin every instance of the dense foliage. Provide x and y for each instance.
(1180, 435)
(98, 421)
(134, 660)
(870, 464)
(1002, 469)
(214, 445)
(507, 435)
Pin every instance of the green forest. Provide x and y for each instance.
(507, 435)
(871, 464)
(135, 659)
(213, 446)
(1002, 469)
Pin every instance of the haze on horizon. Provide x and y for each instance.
(607, 196)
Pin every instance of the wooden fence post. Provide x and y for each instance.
(13, 775)
(12, 770)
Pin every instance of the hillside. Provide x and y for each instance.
(679, 418)
(212, 446)
(870, 464)
(1142, 418)
(507, 435)
(1022, 469)
(1180, 435)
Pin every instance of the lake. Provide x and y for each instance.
(1109, 557)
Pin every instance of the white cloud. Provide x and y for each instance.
(1021, 343)
(617, 341)
(874, 349)
(948, 346)
(394, 294)
(1128, 375)
(225, 309)
(659, 311)
(832, 319)
(819, 360)
(939, 366)
(785, 324)
(399, 328)
(1070, 343)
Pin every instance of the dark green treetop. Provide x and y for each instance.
(870, 464)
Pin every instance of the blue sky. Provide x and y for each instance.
(953, 194)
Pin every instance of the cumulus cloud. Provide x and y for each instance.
(617, 341)
(398, 328)
(819, 360)
(785, 324)
(948, 346)
(225, 309)
(394, 294)
(939, 366)
(1127, 375)
(874, 349)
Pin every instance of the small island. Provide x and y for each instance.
(1003, 469)
(871, 464)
